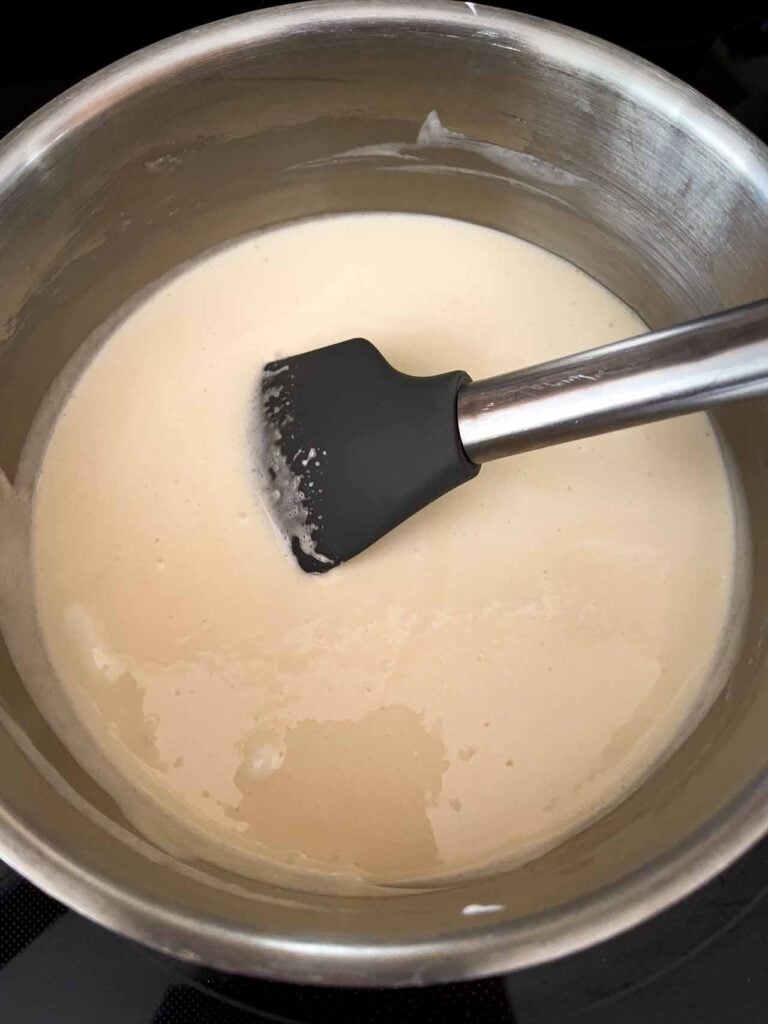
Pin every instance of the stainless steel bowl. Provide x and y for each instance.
(442, 107)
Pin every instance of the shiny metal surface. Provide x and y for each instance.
(438, 107)
(694, 366)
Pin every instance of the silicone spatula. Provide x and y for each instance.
(351, 447)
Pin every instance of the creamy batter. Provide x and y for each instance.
(491, 676)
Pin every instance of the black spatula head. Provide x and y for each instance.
(351, 447)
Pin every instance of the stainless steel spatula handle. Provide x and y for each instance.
(697, 365)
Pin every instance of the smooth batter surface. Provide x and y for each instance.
(484, 681)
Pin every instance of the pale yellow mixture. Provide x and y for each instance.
(484, 681)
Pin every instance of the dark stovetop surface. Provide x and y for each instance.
(703, 962)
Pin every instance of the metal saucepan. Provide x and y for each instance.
(442, 107)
